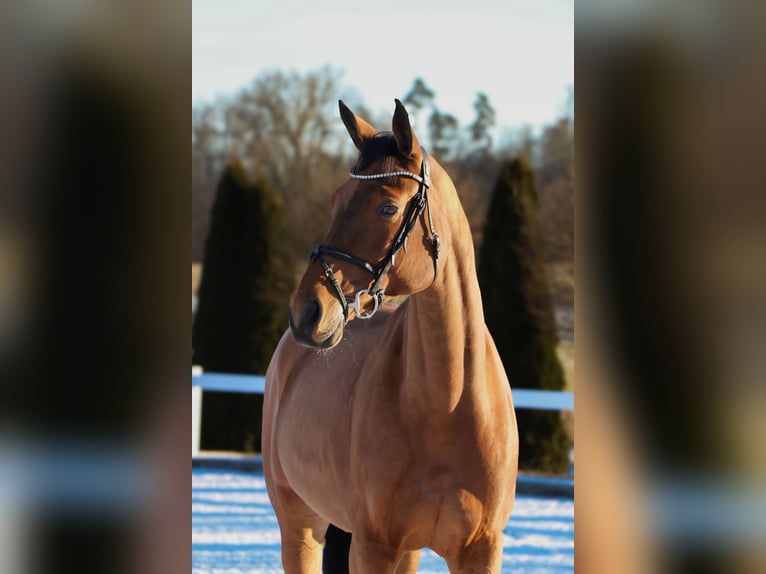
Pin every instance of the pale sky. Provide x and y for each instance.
(519, 52)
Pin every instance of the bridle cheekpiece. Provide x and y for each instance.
(417, 205)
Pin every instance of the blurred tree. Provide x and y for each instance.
(287, 123)
(208, 160)
(419, 98)
(518, 311)
(518, 141)
(285, 128)
(567, 109)
(557, 150)
(443, 133)
(241, 313)
(556, 177)
(484, 122)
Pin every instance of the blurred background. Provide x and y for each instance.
(94, 243)
(671, 313)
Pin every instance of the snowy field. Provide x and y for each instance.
(234, 530)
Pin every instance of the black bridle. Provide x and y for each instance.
(417, 205)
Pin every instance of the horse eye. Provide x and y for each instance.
(388, 210)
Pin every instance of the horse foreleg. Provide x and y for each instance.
(408, 563)
(482, 556)
(302, 550)
(301, 554)
(368, 556)
(302, 532)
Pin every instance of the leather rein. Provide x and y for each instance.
(417, 205)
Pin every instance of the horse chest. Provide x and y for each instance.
(317, 438)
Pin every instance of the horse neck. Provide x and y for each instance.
(446, 341)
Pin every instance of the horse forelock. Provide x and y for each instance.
(378, 155)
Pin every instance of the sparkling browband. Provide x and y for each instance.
(390, 174)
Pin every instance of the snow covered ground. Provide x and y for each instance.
(234, 530)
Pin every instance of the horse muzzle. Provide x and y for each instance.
(314, 325)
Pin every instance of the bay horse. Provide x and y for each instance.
(400, 428)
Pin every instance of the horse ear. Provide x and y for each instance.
(358, 129)
(406, 141)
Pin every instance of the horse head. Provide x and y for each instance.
(381, 237)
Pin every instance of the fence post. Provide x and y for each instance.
(196, 411)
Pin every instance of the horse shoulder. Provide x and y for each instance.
(504, 415)
(282, 363)
(495, 369)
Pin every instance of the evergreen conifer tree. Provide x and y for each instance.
(519, 313)
(242, 308)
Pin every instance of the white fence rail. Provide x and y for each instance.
(256, 384)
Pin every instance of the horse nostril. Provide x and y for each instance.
(312, 314)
